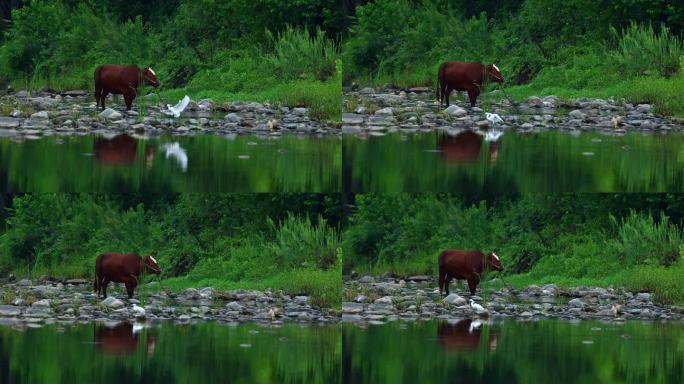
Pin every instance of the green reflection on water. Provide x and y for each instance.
(551, 161)
(214, 164)
(202, 353)
(515, 352)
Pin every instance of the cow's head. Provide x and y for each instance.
(494, 74)
(494, 262)
(150, 77)
(151, 264)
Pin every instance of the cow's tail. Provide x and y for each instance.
(442, 273)
(440, 82)
(98, 267)
(97, 82)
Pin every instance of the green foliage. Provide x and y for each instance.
(566, 235)
(643, 240)
(197, 47)
(279, 241)
(643, 51)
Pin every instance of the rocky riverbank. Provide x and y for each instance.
(32, 116)
(70, 301)
(379, 300)
(385, 110)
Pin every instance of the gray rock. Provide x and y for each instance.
(455, 299)
(301, 299)
(643, 296)
(40, 115)
(384, 300)
(110, 114)
(24, 282)
(9, 310)
(234, 306)
(41, 303)
(384, 112)
(577, 114)
(233, 118)
(455, 110)
(351, 118)
(9, 122)
(577, 303)
(112, 302)
(367, 279)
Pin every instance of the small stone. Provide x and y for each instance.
(112, 302)
(455, 110)
(45, 303)
(110, 114)
(384, 300)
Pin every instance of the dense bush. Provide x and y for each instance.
(564, 235)
(222, 49)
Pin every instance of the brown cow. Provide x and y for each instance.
(122, 80)
(120, 150)
(122, 268)
(465, 265)
(465, 335)
(121, 339)
(464, 147)
(465, 76)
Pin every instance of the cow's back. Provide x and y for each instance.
(116, 266)
(461, 264)
(117, 78)
(463, 75)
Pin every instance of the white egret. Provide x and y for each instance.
(493, 135)
(494, 118)
(177, 109)
(477, 307)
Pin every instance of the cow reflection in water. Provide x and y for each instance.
(122, 339)
(122, 150)
(465, 147)
(465, 335)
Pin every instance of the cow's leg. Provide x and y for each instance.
(472, 95)
(103, 96)
(130, 288)
(472, 284)
(98, 91)
(104, 284)
(447, 92)
(128, 99)
(446, 284)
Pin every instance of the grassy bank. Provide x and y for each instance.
(633, 241)
(604, 51)
(196, 48)
(229, 241)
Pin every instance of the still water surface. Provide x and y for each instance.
(199, 353)
(547, 351)
(551, 161)
(204, 163)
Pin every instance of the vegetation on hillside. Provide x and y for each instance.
(278, 241)
(567, 239)
(226, 50)
(575, 48)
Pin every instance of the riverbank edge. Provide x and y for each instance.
(378, 299)
(74, 301)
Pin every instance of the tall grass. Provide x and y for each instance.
(643, 240)
(298, 55)
(641, 50)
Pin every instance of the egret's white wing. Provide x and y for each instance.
(177, 152)
(180, 107)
